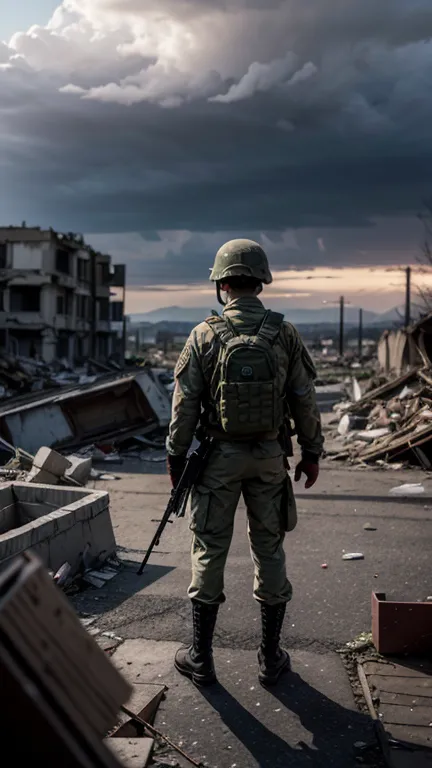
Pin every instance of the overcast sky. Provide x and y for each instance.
(161, 128)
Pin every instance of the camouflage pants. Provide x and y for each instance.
(258, 472)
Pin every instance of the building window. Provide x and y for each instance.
(24, 299)
(60, 304)
(103, 274)
(69, 297)
(82, 307)
(104, 310)
(83, 271)
(63, 261)
(63, 346)
(116, 311)
(3, 255)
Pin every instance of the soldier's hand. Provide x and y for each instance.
(308, 468)
(175, 466)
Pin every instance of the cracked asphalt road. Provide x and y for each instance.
(313, 720)
(329, 606)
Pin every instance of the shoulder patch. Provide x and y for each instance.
(183, 361)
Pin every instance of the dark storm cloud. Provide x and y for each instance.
(181, 258)
(227, 117)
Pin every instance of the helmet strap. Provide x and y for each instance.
(219, 296)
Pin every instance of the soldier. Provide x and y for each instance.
(239, 376)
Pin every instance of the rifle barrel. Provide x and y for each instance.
(179, 495)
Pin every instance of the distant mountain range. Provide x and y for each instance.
(324, 316)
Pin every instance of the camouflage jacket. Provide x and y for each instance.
(197, 361)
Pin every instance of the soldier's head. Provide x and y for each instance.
(240, 269)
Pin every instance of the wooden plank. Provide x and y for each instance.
(417, 716)
(404, 759)
(418, 669)
(61, 654)
(411, 686)
(417, 737)
(131, 729)
(404, 699)
(34, 728)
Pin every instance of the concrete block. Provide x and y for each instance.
(56, 523)
(48, 467)
(79, 470)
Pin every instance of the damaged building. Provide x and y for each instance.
(55, 296)
(405, 348)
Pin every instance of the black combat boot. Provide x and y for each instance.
(272, 659)
(196, 662)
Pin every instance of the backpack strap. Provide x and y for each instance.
(270, 327)
(222, 328)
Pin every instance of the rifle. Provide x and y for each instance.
(180, 494)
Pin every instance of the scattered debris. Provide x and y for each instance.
(324, 565)
(156, 734)
(408, 489)
(62, 574)
(391, 421)
(353, 556)
(363, 641)
(369, 527)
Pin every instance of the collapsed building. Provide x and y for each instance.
(55, 296)
(404, 348)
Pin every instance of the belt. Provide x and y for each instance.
(259, 437)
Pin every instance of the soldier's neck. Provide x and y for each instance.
(233, 295)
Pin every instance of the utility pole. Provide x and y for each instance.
(341, 325)
(360, 334)
(124, 333)
(408, 298)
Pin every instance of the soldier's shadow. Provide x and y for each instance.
(333, 728)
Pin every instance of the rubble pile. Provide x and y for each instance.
(390, 423)
(21, 375)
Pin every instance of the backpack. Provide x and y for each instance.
(244, 383)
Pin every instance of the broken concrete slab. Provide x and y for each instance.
(309, 717)
(114, 407)
(56, 523)
(132, 753)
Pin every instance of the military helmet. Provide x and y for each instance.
(241, 257)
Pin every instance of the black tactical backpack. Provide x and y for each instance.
(244, 383)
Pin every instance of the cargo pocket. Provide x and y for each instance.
(288, 507)
(199, 511)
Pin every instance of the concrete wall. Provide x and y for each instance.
(27, 256)
(8, 517)
(78, 521)
(33, 427)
